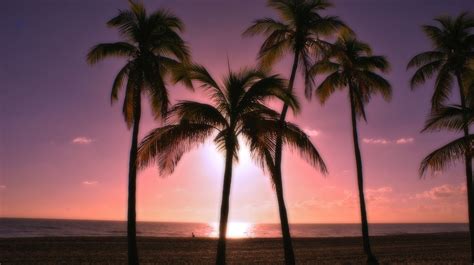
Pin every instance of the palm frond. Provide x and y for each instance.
(266, 88)
(163, 17)
(129, 102)
(118, 82)
(447, 155)
(329, 86)
(105, 50)
(424, 72)
(443, 84)
(298, 141)
(327, 26)
(449, 117)
(265, 26)
(371, 63)
(198, 113)
(425, 58)
(274, 47)
(376, 84)
(166, 145)
(127, 24)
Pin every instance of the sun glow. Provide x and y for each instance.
(234, 230)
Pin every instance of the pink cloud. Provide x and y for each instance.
(90, 183)
(375, 141)
(405, 140)
(82, 140)
(442, 192)
(311, 132)
(383, 141)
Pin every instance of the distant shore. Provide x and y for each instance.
(442, 248)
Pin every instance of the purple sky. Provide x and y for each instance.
(51, 97)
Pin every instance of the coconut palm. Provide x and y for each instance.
(297, 33)
(449, 61)
(154, 52)
(351, 65)
(237, 105)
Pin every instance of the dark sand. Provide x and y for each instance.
(449, 248)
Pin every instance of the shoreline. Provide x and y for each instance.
(438, 248)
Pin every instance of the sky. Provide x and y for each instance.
(64, 149)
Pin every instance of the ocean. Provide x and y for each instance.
(13, 227)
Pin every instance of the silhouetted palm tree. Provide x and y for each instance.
(450, 60)
(154, 51)
(237, 105)
(351, 65)
(298, 33)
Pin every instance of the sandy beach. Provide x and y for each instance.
(448, 248)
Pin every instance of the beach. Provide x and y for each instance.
(442, 248)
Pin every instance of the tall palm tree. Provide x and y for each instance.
(298, 33)
(351, 65)
(450, 60)
(237, 105)
(154, 51)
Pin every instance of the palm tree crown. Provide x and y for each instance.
(299, 31)
(154, 50)
(453, 42)
(350, 64)
(237, 109)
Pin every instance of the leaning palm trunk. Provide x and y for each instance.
(132, 187)
(360, 182)
(221, 245)
(285, 229)
(468, 162)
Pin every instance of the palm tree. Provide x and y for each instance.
(237, 105)
(154, 51)
(298, 32)
(350, 64)
(451, 58)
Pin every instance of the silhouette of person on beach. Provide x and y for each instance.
(192, 234)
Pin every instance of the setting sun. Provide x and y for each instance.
(234, 229)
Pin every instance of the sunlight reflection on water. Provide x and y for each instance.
(234, 230)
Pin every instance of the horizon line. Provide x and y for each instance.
(185, 222)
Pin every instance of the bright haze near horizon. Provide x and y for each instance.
(64, 149)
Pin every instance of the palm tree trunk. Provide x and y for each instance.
(468, 162)
(221, 244)
(285, 229)
(132, 187)
(360, 182)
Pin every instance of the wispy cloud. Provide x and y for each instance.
(442, 192)
(82, 140)
(311, 132)
(405, 140)
(383, 141)
(375, 141)
(90, 182)
(380, 195)
(2, 187)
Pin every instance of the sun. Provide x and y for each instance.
(234, 230)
